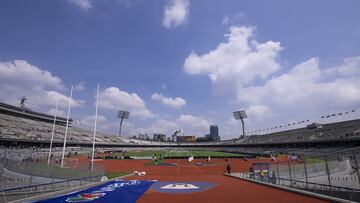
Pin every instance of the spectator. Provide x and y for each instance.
(228, 168)
(273, 177)
(251, 172)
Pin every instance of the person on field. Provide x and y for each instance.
(252, 175)
(228, 168)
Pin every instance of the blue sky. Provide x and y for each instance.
(182, 64)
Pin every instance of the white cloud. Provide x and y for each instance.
(19, 78)
(236, 62)
(159, 126)
(115, 99)
(79, 87)
(194, 125)
(176, 103)
(176, 13)
(305, 85)
(259, 112)
(232, 19)
(191, 125)
(350, 66)
(82, 4)
(230, 130)
(51, 96)
(20, 72)
(225, 20)
(246, 68)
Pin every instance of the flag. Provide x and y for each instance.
(190, 159)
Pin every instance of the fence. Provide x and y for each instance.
(338, 170)
(26, 172)
(15, 193)
(332, 174)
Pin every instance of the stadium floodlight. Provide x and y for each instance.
(122, 115)
(241, 115)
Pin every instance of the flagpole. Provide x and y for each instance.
(94, 139)
(66, 128)
(53, 131)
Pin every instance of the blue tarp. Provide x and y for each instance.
(117, 191)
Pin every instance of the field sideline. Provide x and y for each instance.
(226, 189)
(176, 153)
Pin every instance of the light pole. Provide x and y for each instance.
(241, 115)
(122, 115)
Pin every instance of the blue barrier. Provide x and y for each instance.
(116, 191)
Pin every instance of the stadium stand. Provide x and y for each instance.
(25, 137)
(339, 130)
(23, 124)
(13, 127)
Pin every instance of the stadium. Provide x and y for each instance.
(179, 101)
(316, 163)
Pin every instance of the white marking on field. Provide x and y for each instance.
(180, 186)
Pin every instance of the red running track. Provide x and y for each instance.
(227, 189)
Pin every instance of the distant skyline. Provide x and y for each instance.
(182, 64)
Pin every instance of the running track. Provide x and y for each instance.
(227, 189)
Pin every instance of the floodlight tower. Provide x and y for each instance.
(122, 115)
(241, 115)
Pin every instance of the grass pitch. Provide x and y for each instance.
(179, 153)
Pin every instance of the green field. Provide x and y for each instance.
(177, 153)
(111, 175)
(311, 160)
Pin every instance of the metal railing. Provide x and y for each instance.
(352, 194)
(333, 170)
(25, 172)
(333, 174)
(15, 193)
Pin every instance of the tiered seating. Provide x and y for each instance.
(12, 127)
(341, 130)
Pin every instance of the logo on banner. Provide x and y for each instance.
(86, 197)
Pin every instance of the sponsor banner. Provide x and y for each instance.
(181, 187)
(114, 191)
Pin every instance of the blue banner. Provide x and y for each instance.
(117, 191)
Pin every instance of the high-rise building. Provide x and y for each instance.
(159, 137)
(214, 133)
